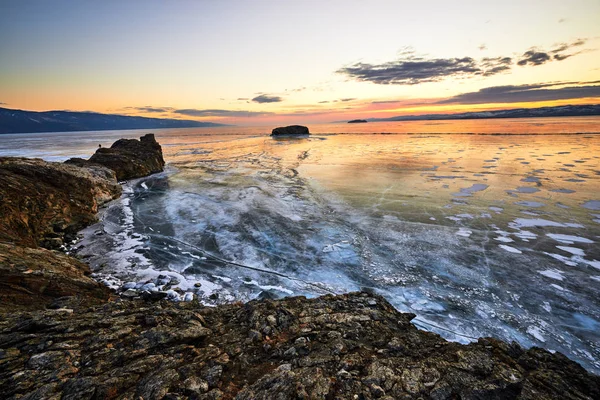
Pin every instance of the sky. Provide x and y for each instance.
(261, 62)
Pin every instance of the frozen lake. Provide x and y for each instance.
(479, 235)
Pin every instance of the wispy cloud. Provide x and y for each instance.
(411, 69)
(348, 99)
(524, 93)
(150, 109)
(264, 98)
(193, 112)
(535, 56)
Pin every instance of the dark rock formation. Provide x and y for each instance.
(292, 130)
(357, 121)
(130, 158)
(45, 203)
(39, 278)
(354, 346)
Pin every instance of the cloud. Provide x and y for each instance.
(324, 101)
(412, 70)
(264, 98)
(525, 93)
(348, 99)
(193, 112)
(150, 109)
(535, 56)
(482, 46)
(243, 98)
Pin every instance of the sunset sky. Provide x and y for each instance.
(259, 62)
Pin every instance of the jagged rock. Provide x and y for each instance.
(38, 278)
(41, 202)
(130, 158)
(133, 349)
(292, 130)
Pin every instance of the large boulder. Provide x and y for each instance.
(292, 130)
(46, 203)
(131, 158)
(39, 278)
(336, 347)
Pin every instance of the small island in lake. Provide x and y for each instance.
(357, 121)
(292, 130)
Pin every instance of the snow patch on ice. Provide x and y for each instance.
(510, 249)
(553, 273)
(568, 239)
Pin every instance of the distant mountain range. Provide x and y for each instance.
(20, 121)
(557, 111)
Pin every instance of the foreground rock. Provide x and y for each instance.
(292, 130)
(131, 158)
(46, 203)
(38, 278)
(354, 346)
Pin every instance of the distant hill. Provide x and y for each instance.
(557, 111)
(20, 121)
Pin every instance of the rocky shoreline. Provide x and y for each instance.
(65, 335)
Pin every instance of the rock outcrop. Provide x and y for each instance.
(292, 130)
(131, 158)
(47, 203)
(33, 279)
(354, 346)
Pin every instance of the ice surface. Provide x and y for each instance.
(240, 218)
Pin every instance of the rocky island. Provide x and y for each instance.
(292, 130)
(64, 335)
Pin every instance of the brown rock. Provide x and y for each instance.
(191, 351)
(36, 278)
(43, 202)
(292, 130)
(130, 158)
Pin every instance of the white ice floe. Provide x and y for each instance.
(525, 236)
(497, 210)
(553, 273)
(573, 250)
(534, 204)
(510, 249)
(546, 306)
(538, 222)
(503, 239)
(566, 260)
(143, 184)
(476, 187)
(555, 286)
(536, 333)
(568, 239)
(592, 205)
(464, 232)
